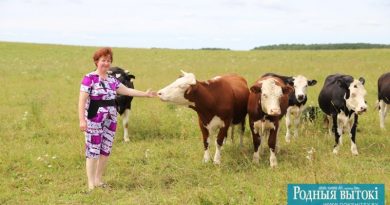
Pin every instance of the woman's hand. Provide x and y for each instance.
(83, 125)
(149, 93)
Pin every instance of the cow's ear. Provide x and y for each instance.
(362, 80)
(131, 76)
(191, 89)
(287, 89)
(290, 81)
(256, 88)
(311, 82)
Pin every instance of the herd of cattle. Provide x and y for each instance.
(224, 101)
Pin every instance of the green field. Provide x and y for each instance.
(42, 150)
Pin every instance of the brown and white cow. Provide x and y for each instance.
(383, 97)
(218, 102)
(267, 104)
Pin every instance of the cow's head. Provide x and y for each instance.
(270, 95)
(300, 84)
(123, 76)
(175, 91)
(355, 94)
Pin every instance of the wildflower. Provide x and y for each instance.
(25, 116)
(310, 153)
(146, 153)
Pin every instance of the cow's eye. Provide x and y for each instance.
(265, 95)
(353, 95)
(355, 86)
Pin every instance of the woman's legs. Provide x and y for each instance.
(100, 169)
(91, 171)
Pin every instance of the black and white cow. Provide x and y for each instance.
(296, 101)
(123, 102)
(383, 97)
(342, 100)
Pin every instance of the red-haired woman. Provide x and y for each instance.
(98, 115)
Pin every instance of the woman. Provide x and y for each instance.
(98, 115)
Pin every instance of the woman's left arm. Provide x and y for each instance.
(123, 90)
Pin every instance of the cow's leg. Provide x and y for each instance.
(297, 121)
(330, 124)
(242, 131)
(336, 133)
(272, 145)
(125, 123)
(256, 143)
(219, 142)
(232, 133)
(206, 142)
(382, 113)
(288, 125)
(353, 135)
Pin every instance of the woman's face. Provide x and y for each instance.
(104, 63)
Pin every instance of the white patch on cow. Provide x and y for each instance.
(383, 108)
(216, 77)
(272, 159)
(354, 148)
(336, 149)
(213, 79)
(125, 121)
(300, 86)
(270, 94)
(206, 156)
(175, 91)
(217, 156)
(256, 156)
(356, 101)
(344, 124)
(262, 127)
(215, 123)
(293, 116)
(118, 75)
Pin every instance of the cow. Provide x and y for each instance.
(123, 102)
(383, 97)
(296, 101)
(267, 104)
(342, 99)
(311, 113)
(219, 102)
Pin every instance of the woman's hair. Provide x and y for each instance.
(106, 51)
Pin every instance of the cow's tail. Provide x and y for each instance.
(377, 106)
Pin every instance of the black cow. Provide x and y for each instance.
(296, 100)
(342, 100)
(383, 97)
(123, 102)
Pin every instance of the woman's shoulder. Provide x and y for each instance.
(92, 75)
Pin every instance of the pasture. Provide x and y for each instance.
(42, 150)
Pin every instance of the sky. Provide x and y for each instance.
(183, 24)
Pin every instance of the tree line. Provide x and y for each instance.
(321, 46)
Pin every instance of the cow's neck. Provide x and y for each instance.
(203, 100)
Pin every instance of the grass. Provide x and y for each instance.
(42, 151)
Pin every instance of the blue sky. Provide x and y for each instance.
(234, 24)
